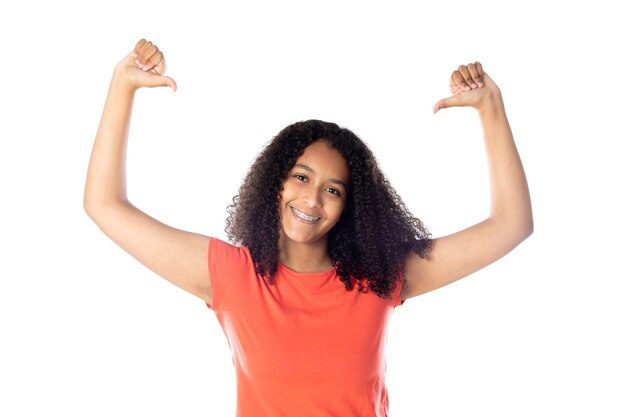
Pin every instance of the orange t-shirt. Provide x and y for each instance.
(303, 345)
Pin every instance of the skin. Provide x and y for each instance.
(510, 220)
(180, 256)
(317, 187)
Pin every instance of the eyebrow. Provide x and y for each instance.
(333, 180)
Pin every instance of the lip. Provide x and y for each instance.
(301, 219)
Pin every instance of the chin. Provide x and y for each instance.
(295, 236)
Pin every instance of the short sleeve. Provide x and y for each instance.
(226, 264)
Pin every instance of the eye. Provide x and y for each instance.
(334, 191)
(301, 177)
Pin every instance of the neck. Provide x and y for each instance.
(304, 257)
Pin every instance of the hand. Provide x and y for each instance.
(470, 86)
(144, 67)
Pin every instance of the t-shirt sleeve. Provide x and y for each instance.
(227, 263)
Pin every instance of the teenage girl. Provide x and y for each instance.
(321, 250)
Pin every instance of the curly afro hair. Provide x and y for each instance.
(369, 244)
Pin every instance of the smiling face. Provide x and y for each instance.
(313, 195)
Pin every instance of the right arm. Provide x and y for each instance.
(180, 257)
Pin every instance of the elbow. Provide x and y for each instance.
(530, 227)
(526, 232)
(90, 205)
(514, 230)
(105, 212)
(93, 211)
(98, 208)
(528, 224)
(525, 229)
(518, 225)
(87, 205)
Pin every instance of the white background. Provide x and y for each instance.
(87, 331)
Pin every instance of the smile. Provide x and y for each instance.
(302, 216)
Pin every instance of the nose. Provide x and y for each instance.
(313, 199)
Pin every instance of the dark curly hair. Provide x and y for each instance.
(370, 242)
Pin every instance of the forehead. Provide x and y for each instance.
(324, 160)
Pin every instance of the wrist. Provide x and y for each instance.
(491, 105)
(121, 83)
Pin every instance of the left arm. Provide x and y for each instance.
(510, 221)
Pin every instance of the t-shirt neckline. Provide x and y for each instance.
(324, 274)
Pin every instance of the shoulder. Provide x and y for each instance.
(218, 247)
(223, 255)
(227, 265)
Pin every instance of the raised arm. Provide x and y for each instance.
(510, 221)
(176, 255)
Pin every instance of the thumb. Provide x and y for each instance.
(170, 83)
(446, 102)
(157, 80)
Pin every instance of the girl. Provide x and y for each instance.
(323, 249)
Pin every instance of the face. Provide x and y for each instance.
(314, 194)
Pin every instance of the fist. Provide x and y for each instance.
(144, 67)
(469, 86)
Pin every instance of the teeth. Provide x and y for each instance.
(304, 216)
